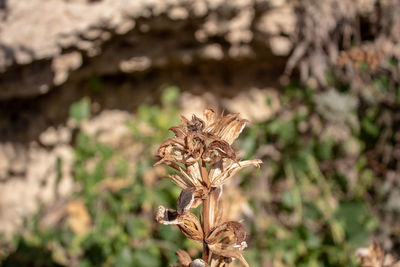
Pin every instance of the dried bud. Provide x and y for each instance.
(229, 251)
(198, 263)
(166, 216)
(190, 226)
(217, 150)
(227, 240)
(184, 258)
(232, 232)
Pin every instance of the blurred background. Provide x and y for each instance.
(89, 88)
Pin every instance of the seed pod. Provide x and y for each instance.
(184, 258)
(166, 216)
(190, 226)
(189, 198)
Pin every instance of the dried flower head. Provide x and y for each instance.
(202, 156)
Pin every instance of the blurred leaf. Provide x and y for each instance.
(169, 95)
(138, 227)
(124, 258)
(146, 257)
(80, 110)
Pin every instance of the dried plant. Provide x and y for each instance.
(374, 256)
(204, 161)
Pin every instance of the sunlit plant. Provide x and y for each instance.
(203, 160)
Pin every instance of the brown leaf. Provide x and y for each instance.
(79, 219)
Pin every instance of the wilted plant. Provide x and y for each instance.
(204, 161)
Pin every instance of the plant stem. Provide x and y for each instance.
(206, 213)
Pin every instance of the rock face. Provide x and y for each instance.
(42, 42)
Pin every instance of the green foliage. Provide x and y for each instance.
(320, 220)
(310, 213)
(122, 231)
(80, 110)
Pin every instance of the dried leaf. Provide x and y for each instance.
(79, 219)
(113, 185)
